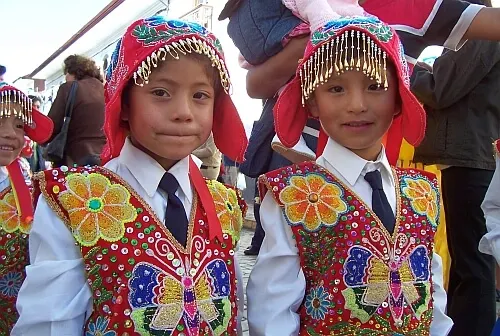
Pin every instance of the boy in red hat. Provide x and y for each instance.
(349, 246)
(17, 118)
(144, 246)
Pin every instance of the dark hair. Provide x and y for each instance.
(81, 67)
(3, 70)
(35, 99)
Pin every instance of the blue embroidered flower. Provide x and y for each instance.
(114, 60)
(156, 20)
(99, 328)
(177, 24)
(317, 303)
(10, 284)
(354, 21)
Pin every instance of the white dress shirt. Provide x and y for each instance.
(4, 178)
(490, 243)
(55, 299)
(277, 285)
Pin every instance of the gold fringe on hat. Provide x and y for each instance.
(184, 47)
(7, 108)
(351, 51)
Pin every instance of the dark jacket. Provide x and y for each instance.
(462, 100)
(85, 134)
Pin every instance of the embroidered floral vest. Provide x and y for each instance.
(143, 281)
(13, 258)
(359, 279)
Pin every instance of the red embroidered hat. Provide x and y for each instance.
(37, 126)
(148, 42)
(360, 43)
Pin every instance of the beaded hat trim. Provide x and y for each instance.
(184, 47)
(10, 99)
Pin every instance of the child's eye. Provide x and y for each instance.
(161, 93)
(19, 124)
(336, 89)
(375, 87)
(201, 95)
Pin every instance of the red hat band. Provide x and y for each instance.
(350, 43)
(148, 42)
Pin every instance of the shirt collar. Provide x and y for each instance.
(351, 166)
(4, 174)
(149, 172)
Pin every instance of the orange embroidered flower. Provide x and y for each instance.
(423, 198)
(96, 207)
(227, 208)
(10, 220)
(312, 201)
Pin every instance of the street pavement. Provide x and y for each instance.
(246, 264)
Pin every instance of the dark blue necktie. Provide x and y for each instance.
(380, 204)
(175, 216)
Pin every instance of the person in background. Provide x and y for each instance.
(3, 70)
(85, 133)
(461, 97)
(36, 161)
(211, 157)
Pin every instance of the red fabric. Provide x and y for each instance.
(390, 11)
(497, 147)
(291, 116)
(21, 192)
(207, 201)
(344, 262)
(229, 133)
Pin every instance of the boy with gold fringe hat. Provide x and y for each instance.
(349, 246)
(155, 242)
(17, 118)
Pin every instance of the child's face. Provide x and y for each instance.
(171, 115)
(355, 111)
(11, 137)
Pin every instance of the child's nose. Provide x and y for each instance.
(183, 111)
(357, 102)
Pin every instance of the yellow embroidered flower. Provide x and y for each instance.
(96, 207)
(10, 220)
(312, 201)
(227, 208)
(423, 198)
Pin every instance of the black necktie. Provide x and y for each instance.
(380, 204)
(175, 215)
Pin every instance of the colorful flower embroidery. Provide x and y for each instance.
(9, 218)
(312, 201)
(317, 303)
(99, 328)
(423, 198)
(227, 208)
(96, 208)
(10, 284)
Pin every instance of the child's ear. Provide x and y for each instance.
(313, 107)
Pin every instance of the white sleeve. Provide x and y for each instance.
(441, 324)
(276, 287)
(55, 298)
(490, 243)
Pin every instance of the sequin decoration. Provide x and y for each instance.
(227, 208)
(423, 197)
(312, 202)
(161, 302)
(96, 208)
(9, 218)
(367, 271)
